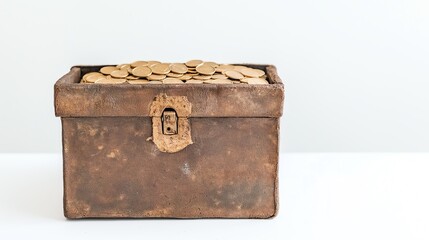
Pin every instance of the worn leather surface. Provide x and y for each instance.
(111, 170)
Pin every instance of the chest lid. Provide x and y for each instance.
(74, 99)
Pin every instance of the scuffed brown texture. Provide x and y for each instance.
(180, 104)
(110, 170)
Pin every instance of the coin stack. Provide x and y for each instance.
(193, 72)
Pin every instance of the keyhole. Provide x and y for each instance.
(169, 121)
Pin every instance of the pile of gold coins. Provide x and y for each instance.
(193, 71)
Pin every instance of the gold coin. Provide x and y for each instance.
(172, 81)
(205, 69)
(139, 63)
(178, 68)
(154, 82)
(193, 63)
(185, 77)
(218, 81)
(224, 67)
(213, 64)
(125, 65)
(156, 77)
(251, 72)
(91, 74)
(235, 81)
(192, 81)
(160, 68)
(219, 76)
(202, 77)
(239, 68)
(97, 79)
(141, 71)
(108, 69)
(256, 81)
(138, 82)
(110, 81)
(119, 73)
(244, 79)
(94, 77)
(131, 77)
(176, 75)
(234, 74)
(128, 69)
(151, 63)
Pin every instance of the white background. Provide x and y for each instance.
(356, 76)
(356, 72)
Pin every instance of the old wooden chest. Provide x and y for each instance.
(120, 161)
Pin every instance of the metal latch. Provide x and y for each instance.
(171, 127)
(169, 122)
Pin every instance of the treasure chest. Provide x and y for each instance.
(169, 150)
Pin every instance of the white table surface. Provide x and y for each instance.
(322, 196)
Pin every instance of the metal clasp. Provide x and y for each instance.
(171, 127)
